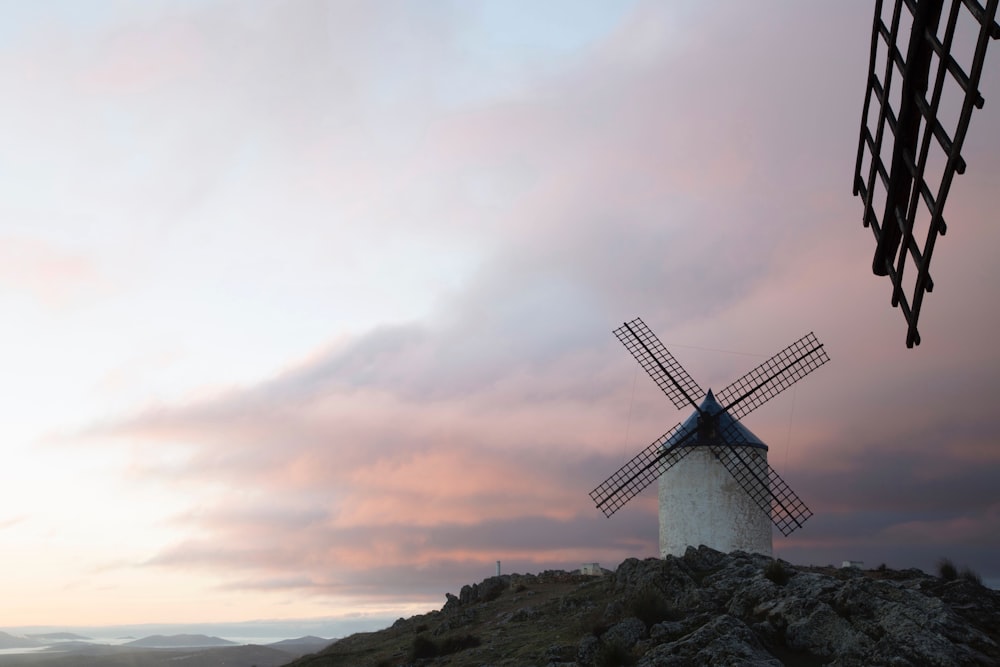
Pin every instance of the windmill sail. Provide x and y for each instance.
(773, 376)
(762, 483)
(910, 144)
(646, 466)
(668, 374)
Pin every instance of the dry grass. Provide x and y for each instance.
(507, 620)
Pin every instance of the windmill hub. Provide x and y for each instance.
(710, 421)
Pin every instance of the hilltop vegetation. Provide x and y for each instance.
(706, 608)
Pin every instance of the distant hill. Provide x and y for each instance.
(300, 645)
(58, 636)
(84, 654)
(15, 641)
(119, 656)
(705, 608)
(179, 641)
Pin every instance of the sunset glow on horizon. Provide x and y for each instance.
(308, 306)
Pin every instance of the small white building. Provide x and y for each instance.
(591, 569)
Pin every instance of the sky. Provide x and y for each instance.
(307, 306)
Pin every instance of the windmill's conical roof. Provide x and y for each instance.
(740, 434)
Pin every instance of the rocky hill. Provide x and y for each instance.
(706, 608)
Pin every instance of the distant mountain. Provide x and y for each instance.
(74, 646)
(123, 656)
(179, 641)
(181, 650)
(14, 641)
(302, 645)
(58, 637)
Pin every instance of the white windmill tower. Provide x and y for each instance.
(716, 487)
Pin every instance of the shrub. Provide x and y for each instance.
(947, 570)
(970, 575)
(456, 644)
(650, 607)
(777, 573)
(423, 627)
(594, 622)
(423, 647)
(613, 654)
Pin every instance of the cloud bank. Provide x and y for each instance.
(466, 247)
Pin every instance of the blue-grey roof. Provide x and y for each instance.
(739, 435)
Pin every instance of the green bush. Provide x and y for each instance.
(777, 573)
(947, 570)
(650, 607)
(423, 647)
(594, 623)
(970, 575)
(613, 654)
(456, 644)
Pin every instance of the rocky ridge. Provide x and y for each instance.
(705, 608)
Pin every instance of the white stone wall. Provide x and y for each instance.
(701, 503)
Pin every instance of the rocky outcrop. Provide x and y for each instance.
(763, 610)
(705, 608)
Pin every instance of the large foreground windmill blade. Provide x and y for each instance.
(646, 466)
(923, 84)
(773, 376)
(668, 374)
(761, 482)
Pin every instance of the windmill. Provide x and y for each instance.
(720, 490)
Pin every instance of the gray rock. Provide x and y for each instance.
(520, 615)
(587, 650)
(560, 655)
(704, 558)
(625, 633)
(487, 590)
(723, 642)
(463, 618)
(666, 630)
(823, 632)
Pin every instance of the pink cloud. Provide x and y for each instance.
(51, 274)
(979, 529)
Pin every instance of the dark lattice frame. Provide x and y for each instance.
(763, 484)
(654, 358)
(633, 477)
(773, 376)
(914, 129)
